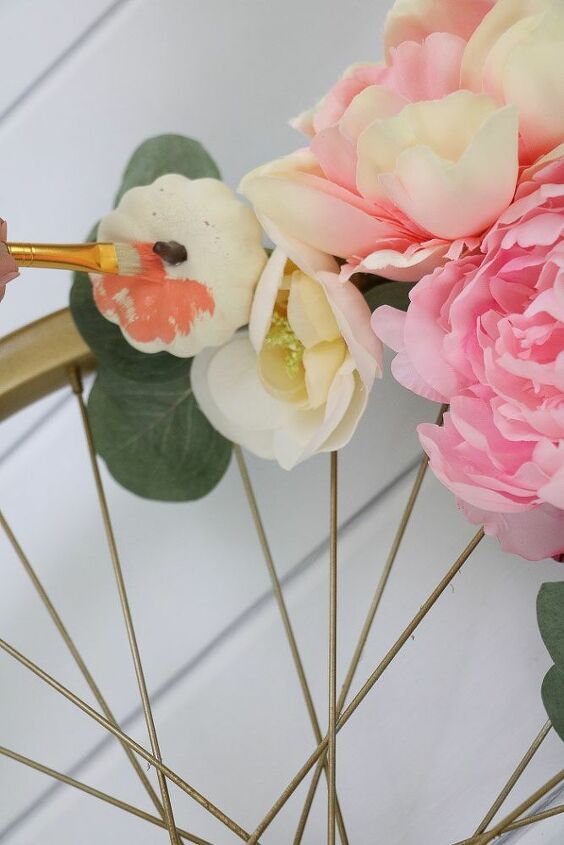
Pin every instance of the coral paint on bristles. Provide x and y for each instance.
(151, 304)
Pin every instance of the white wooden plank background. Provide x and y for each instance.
(84, 84)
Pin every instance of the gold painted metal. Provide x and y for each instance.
(363, 692)
(537, 817)
(76, 384)
(520, 823)
(77, 657)
(96, 793)
(369, 621)
(41, 358)
(521, 766)
(35, 359)
(93, 257)
(503, 825)
(332, 720)
(123, 737)
(283, 610)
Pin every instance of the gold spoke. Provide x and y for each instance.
(369, 621)
(386, 572)
(537, 817)
(332, 729)
(96, 793)
(363, 692)
(522, 765)
(321, 763)
(76, 384)
(285, 616)
(504, 824)
(70, 644)
(131, 743)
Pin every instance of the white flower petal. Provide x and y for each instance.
(343, 433)
(229, 392)
(265, 298)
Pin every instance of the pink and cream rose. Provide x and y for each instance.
(298, 382)
(405, 169)
(486, 335)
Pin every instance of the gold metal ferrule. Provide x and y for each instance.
(96, 257)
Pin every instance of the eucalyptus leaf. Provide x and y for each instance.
(155, 440)
(109, 345)
(553, 698)
(167, 154)
(395, 294)
(550, 615)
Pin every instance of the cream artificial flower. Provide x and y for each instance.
(292, 387)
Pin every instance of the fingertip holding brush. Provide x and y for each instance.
(118, 259)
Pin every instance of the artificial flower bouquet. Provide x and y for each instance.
(423, 210)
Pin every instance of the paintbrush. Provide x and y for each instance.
(120, 259)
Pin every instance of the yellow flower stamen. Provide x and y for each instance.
(280, 334)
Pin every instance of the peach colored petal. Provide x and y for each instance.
(413, 20)
(316, 211)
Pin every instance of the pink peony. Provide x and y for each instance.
(535, 534)
(486, 335)
(8, 267)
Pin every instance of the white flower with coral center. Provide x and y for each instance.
(200, 301)
(299, 382)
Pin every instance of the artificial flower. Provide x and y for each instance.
(535, 534)
(486, 335)
(298, 382)
(203, 300)
(414, 20)
(404, 169)
(8, 267)
(516, 54)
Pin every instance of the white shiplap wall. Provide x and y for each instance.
(83, 84)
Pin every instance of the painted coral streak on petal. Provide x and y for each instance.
(152, 305)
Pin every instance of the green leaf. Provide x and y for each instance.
(553, 698)
(395, 294)
(167, 154)
(155, 440)
(109, 345)
(550, 615)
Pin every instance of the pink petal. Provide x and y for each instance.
(535, 534)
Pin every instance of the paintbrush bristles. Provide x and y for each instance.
(128, 259)
(115, 259)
